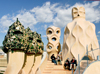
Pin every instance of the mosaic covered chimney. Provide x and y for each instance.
(22, 45)
(19, 38)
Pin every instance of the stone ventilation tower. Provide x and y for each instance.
(77, 35)
(53, 36)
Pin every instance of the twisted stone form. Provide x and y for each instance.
(77, 35)
(53, 36)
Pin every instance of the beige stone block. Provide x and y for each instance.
(37, 61)
(28, 63)
(93, 68)
(16, 61)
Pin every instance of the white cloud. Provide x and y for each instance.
(43, 14)
(44, 36)
(97, 35)
(95, 3)
(67, 5)
(55, 13)
(98, 31)
(45, 27)
(6, 20)
(64, 15)
(4, 31)
(44, 47)
(26, 18)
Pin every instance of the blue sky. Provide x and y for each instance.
(40, 14)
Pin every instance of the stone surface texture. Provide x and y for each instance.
(93, 68)
(77, 35)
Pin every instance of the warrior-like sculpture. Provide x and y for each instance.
(77, 35)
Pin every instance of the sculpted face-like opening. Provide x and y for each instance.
(78, 15)
(18, 32)
(39, 41)
(57, 47)
(57, 32)
(53, 39)
(49, 32)
(30, 38)
(49, 47)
